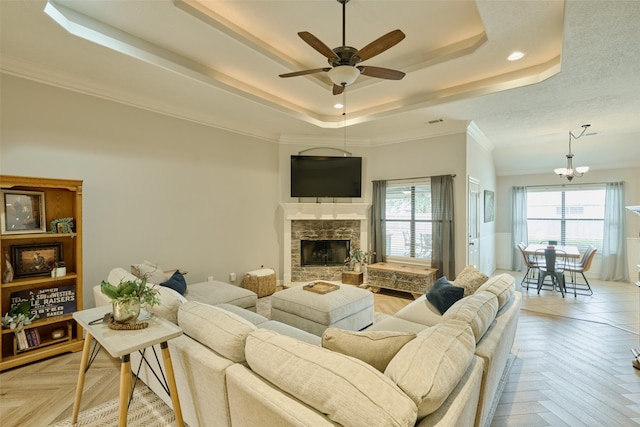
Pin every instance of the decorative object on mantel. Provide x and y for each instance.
(570, 172)
(128, 296)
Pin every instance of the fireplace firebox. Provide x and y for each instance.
(324, 252)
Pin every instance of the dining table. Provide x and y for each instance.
(571, 251)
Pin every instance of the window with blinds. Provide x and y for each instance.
(408, 220)
(572, 216)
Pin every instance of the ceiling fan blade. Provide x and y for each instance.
(304, 72)
(315, 43)
(381, 73)
(337, 89)
(379, 45)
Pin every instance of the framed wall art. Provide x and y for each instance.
(489, 206)
(35, 260)
(22, 212)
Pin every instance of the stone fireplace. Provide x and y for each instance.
(318, 236)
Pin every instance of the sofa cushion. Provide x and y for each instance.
(502, 286)
(429, 367)
(215, 293)
(478, 310)
(419, 311)
(220, 330)
(376, 348)
(151, 271)
(176, 282)
(470, 278)
(170, 302)
(348, 390)
(443, 294)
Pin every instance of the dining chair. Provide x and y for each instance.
(532, 267)
(555, 262)
(581, 267)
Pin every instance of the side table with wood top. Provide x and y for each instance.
(121, 343)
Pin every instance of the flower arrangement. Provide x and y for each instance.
(129, 291)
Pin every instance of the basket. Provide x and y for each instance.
(262, 282)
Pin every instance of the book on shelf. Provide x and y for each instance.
(27, 338)
(22, 340)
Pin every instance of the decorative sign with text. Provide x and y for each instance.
(48, 302)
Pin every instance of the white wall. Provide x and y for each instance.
(481, 167)
(631, 177)
(155, 187)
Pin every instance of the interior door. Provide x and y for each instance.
(473, 225)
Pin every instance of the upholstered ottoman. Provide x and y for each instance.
(348, 307)
(215, 293)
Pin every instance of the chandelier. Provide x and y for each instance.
(570, 172)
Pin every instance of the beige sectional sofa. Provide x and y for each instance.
(234, 367)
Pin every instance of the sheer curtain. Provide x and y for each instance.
(614, 240)
(378, 226)
(519, 225)
(443, 253)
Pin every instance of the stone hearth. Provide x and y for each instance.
(321, 221)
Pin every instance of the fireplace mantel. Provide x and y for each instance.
(321, 212)
(326, 211)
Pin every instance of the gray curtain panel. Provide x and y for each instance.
(378, 227)
(614, 240)
(443, 239)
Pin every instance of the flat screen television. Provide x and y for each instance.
(326, 176)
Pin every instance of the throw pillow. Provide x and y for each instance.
(470, 278)
(443, 294)
(153, 273)
(376, 348)
(176, 282)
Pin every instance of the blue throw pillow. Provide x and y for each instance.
(177, 283)
(443, 294)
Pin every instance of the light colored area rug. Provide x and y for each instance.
(146, 410)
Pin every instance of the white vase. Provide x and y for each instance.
(357, 267)
(126, 311)
(58, 272)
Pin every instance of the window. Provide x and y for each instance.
(408, 220)
(571, 216)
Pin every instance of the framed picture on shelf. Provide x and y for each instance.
(22, 212)
(35, 260)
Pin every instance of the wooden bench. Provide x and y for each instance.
(414, 279)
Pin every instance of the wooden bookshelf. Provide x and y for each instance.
(54, 298)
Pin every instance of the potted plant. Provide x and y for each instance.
(356, 256)
(128, 296)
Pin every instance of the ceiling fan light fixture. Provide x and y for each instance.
(343, 75)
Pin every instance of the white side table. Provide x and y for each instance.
(121, 344)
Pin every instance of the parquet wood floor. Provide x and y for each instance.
(573, 366)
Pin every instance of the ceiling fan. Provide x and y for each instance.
(344, 59)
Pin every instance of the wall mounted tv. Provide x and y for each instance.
(326, 176)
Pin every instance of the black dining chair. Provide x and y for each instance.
(552, 263)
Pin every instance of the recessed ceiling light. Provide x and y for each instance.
(515, 56)
(338, 105)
